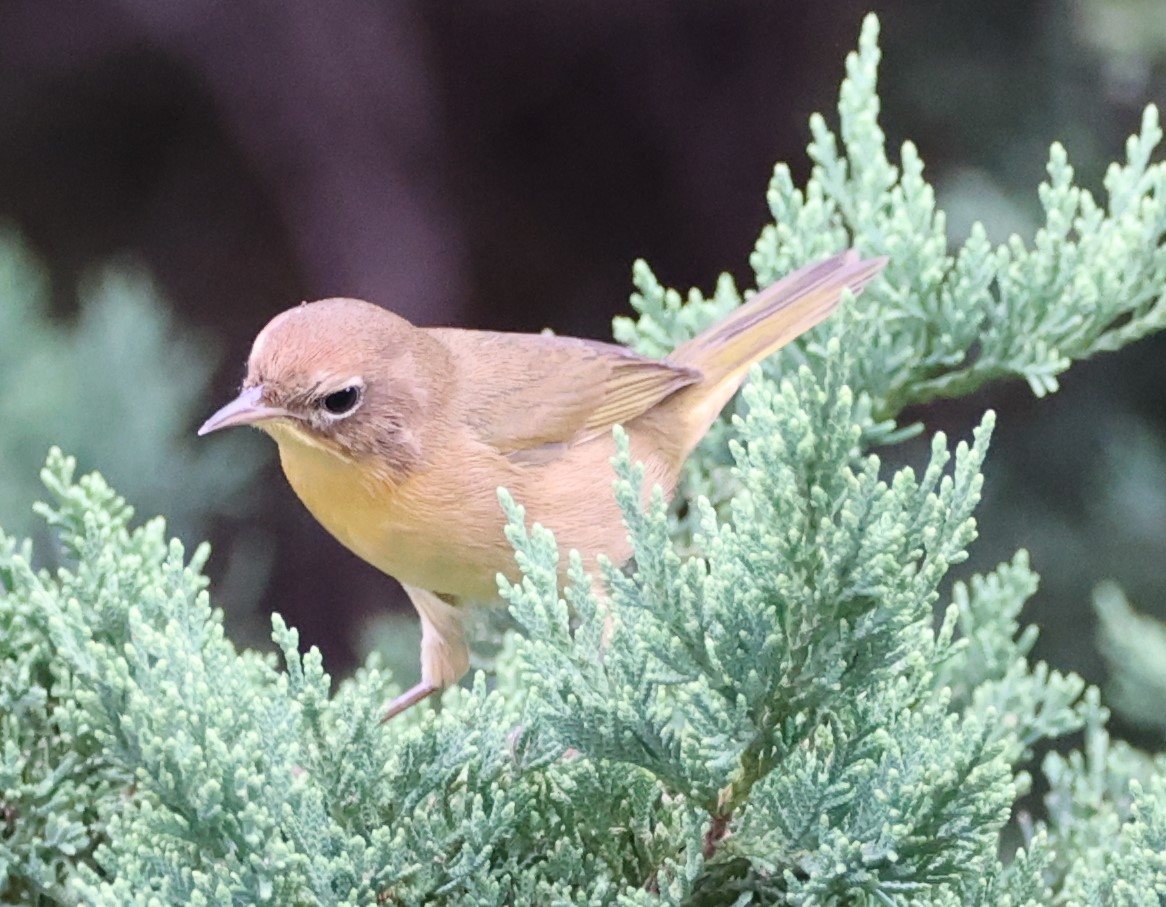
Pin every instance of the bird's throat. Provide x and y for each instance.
(349, 500)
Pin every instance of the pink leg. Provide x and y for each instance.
(445, 657)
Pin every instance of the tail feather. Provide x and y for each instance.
(776, 315)
(772, 318)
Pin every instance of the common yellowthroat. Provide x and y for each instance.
(397, 437)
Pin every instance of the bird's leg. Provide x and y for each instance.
(409, 698)
(445, 657)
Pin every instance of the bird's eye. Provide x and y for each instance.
(340, 402)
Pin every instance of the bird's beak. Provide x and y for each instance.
(246, 409)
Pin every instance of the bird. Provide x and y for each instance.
(397, 437)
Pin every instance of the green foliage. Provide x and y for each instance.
(942, 324)
(776, 719)
(938, 324)
(1135, 647)
(789, 673)
(119, 387)
(1031, 702)
(1105, 831)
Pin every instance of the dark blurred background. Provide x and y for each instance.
(501, 164)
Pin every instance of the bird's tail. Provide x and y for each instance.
(768, 321)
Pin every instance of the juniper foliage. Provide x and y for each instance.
(761, 710)
(120, 362)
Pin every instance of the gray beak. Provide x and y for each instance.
(246, 409)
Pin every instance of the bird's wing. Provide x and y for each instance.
(532, 395)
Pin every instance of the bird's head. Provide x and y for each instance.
(342, 375)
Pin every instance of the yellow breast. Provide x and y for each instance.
(441, 527)
(438, 535)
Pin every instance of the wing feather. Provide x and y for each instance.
(531, 396)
